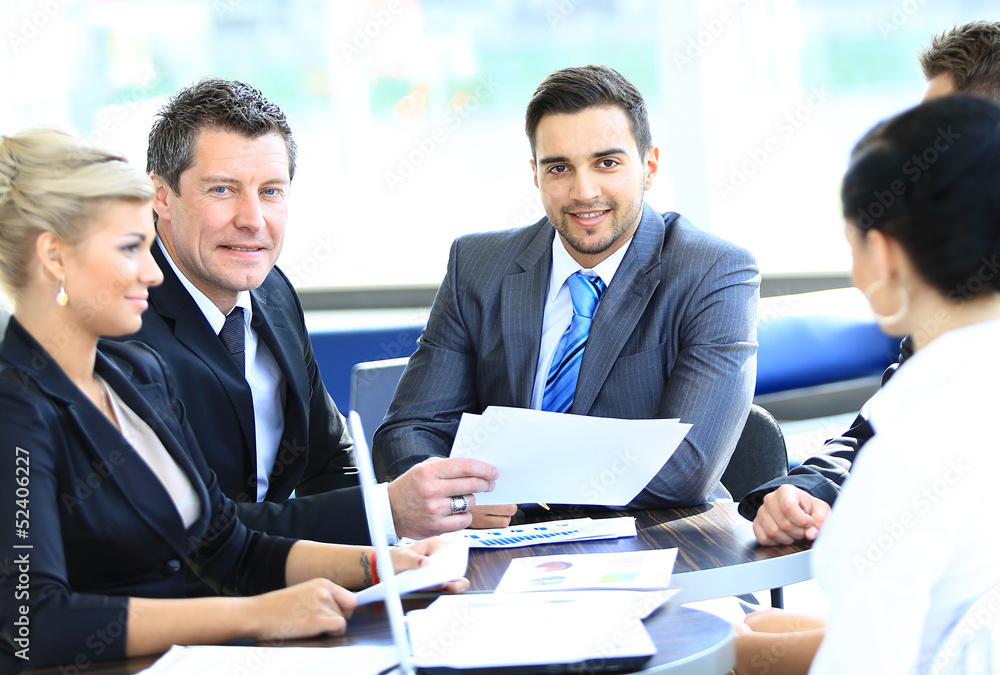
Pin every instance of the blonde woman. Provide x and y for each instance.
(106, 496)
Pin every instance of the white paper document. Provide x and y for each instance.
(627, 570)
(549, 532)
(360, 659)
(557, 458)
(445, 564)
(461, 631)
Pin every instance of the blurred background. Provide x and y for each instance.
(409, 113)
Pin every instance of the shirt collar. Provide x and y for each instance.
(216, 319)
(930, 369)
(564, 266)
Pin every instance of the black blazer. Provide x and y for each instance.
(825, 475)
(316, 455)
(99, 524)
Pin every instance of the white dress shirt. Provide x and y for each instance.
(912, 541)
(558, 310)
(267, 382)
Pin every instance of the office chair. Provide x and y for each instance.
(372, 385)
(760, 456)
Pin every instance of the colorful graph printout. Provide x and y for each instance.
(554, 566)
(637, 570)
(552, 532)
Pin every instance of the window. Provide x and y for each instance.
(409, 113)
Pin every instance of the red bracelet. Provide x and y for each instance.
(374, 570)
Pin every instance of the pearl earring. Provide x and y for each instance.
(62, 298)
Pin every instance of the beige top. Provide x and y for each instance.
(148, 446)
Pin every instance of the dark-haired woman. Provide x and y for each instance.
(912, 545)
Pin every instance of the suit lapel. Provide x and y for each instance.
(104, 444)
(274, 330)
(620, 309)
(522, 303)
(190, 327)
(150, 404)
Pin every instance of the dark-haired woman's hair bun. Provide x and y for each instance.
(930, 179)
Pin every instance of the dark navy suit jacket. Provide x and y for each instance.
(825, 475)
(100, 525)
(316, 452)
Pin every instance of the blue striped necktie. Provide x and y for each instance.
(560, 386)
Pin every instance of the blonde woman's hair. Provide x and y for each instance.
(51, 181)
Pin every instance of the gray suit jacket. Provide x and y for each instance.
(675, 335)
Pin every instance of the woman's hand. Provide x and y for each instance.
(414, 556)
(310, 608)
(774, 642)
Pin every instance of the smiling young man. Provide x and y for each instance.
(674, 310)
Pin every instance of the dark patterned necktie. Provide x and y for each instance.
(232, 336)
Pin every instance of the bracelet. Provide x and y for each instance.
(374, 570)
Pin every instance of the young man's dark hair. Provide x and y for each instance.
(971, 54)
(212, 103)
(571, 90)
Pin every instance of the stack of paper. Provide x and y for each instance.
(559, 625)
(556, 458)
(461, 631)
(358, 659)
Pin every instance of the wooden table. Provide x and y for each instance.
(717, 556)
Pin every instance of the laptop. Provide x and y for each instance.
(499, 649)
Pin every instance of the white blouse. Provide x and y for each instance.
(148, 446)
(913, 539)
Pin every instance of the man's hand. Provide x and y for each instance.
(789, 514)
(492, 517)
(421, 497)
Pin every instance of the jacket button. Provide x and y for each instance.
(172, 567)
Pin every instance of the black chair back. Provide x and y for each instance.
(760, 455)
